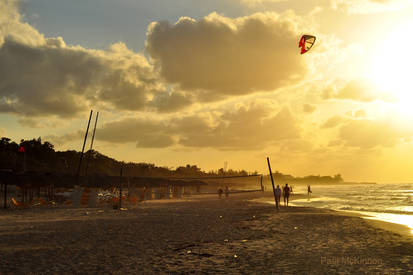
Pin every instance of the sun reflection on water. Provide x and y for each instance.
(393, 218)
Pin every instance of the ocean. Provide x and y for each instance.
(386, 202)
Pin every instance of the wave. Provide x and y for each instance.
(361, 209)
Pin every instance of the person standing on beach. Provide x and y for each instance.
(277, 196)
(309, 191)
(226, 191)
(220, 191)
(286, 193)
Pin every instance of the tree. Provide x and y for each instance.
(338, 178)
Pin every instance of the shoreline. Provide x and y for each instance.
(371, 217)
(200, 235)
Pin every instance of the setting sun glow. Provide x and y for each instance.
(391, 65)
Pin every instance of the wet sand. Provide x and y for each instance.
(201, 234)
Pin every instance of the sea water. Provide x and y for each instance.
(387, 202)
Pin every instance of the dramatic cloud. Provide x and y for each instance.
(221, 56)
(171, 102)
(44, 76)
(245, 128)
(137, 130)
(33, 83)
(11, 25)
(53, 78)
(190, 61)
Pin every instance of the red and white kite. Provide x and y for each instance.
(306, 43)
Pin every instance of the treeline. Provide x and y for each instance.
(279, 177)
(41, 156)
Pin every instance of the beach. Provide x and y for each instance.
(199, 234)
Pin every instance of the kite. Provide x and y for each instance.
(306, 43)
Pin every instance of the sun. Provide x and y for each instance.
(391, 66)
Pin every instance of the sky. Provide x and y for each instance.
(181, 82)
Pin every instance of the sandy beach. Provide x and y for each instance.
(200, 234)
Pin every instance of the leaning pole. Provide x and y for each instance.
(91, 144)
(272, 179)
(120, 186)
(83, 149)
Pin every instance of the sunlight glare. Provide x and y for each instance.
(406, 220)
(391, 66)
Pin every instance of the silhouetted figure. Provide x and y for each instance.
(309, 191)
(226, 191)
(291, 190)
(286, 193)
(277, 196)
(220, 191)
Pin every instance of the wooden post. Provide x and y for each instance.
(83, 149)
(5, 195)
(128, 187)
(272, 180)
(24, 161)
(262, 187)
(52, 191)
(23, 193)
(120, 187)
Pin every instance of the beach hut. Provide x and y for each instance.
(85, 192)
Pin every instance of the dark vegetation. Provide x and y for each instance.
(279, 177)
(41, 157)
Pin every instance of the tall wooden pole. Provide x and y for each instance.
(120, 187)
(91, 144)
(24, 161)
(5, 195)
(272, 179)
(83, 149)
(128, 187)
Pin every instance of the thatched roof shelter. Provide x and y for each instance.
(39, 179)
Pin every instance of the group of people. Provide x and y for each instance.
(220, 192)
(286, 192)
